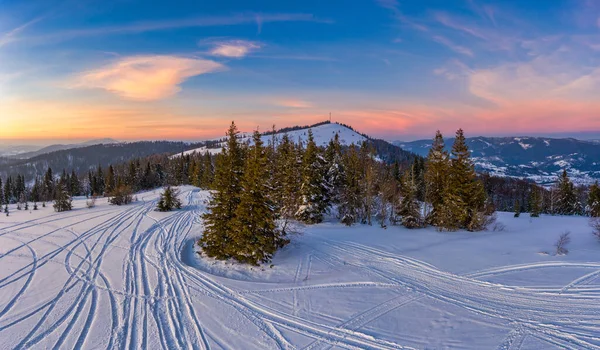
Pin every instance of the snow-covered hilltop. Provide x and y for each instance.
(322, 134)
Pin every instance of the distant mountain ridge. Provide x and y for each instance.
(540, 159)
(82, 159)
(59, 147)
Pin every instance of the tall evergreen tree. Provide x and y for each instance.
(351, 195)
(288, 174)
(314, 201)
(335, 169)
(110, 181)
(219, 219)
(594, 200)
(567, 202)
(517, 208)
(436, 172)
(409, 209)
(255, 237)
(535, 202)
(62, 201)
(466, 190)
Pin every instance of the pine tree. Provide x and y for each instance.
(567, 202)
(208, 172)
(62, 200)
(594, 200)
(464, 188)
(335, 169)
(169, 200)
(255, 237)
(287, 173)
(314, 201)
(1, 194)
(100, 184)
(75, 184)
(535, 202)
(436, 172)
(48, 190)
(110, 180)
(351, 194)
(218, 221)
(409, 209)
(517, 208)
(369, 182)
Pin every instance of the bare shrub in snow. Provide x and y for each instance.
(561, 243)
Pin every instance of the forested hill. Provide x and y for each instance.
(85, 158)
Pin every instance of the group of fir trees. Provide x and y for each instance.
(453, 192)
(241, 220)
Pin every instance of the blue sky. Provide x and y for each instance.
(395, 69)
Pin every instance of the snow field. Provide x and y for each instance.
(130, 277)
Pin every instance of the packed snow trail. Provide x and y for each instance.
(129, 278)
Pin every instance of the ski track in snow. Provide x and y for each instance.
(154, 304)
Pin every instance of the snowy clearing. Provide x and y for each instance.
(129, 277)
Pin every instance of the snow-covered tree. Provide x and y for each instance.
(169, 200)
(350, 206)
(409, 209)
(313, 201)
(62, 200)
(594, 200)
(566, 202)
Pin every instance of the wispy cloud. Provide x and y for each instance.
(179, 23)
(454, 47)
(12, 35)
(145, 77)
(234, 48)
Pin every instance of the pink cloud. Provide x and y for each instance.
(145, 78)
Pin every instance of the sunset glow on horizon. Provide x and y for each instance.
(392, 69)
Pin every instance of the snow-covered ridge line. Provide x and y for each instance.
(322, 134)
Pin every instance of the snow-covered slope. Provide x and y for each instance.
(129, 277)
(322, 135)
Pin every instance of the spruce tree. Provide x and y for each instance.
(110, 180)
(369, 182)
(48, 190)
(288, 173)
(436, 173)
(62, 200)
(517, 208)
(464, 188)
(351, 194)
(218, 220)
(314, 202)
(1, 193)
(594, 200)
(255, 237)
(335, 169)
(409, 209)
(567, 202)
(535, 202)
(169, 200)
